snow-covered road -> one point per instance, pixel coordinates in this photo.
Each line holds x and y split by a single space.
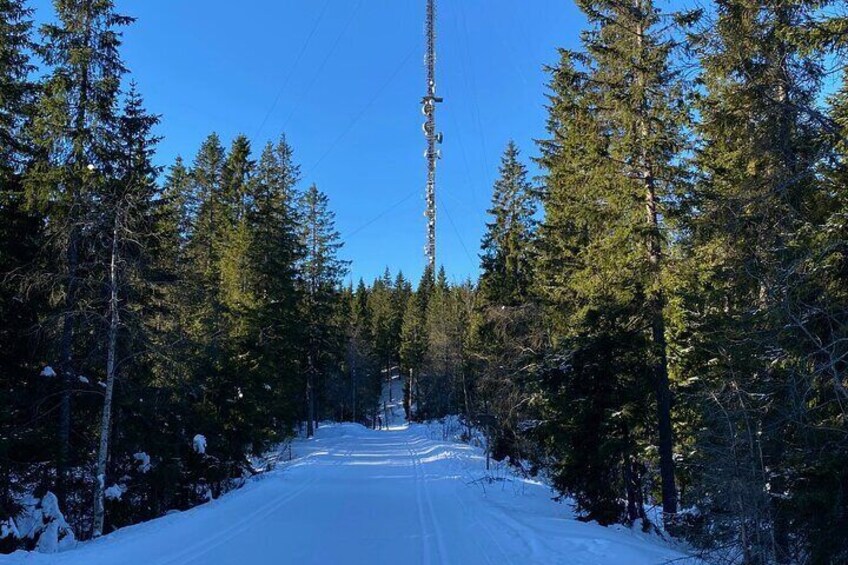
361 496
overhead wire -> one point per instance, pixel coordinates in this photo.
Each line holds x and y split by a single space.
290 74
362 112
459 138
456 231
381 215
472 87
323 63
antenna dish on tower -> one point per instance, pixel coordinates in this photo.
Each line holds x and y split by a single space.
432 154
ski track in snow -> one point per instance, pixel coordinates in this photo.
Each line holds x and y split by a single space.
358 496
422 527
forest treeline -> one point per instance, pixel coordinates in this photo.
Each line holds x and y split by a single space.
660 326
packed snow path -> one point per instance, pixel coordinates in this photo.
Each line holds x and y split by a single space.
355 495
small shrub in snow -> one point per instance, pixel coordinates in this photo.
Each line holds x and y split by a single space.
199 444
42 520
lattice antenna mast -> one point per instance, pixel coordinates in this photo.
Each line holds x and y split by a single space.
432 154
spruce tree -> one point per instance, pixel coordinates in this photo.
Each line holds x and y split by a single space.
503 332
383 323
71 129
236 239
16 90
175 219
16 93
20 236
506 262
413 344
276 249
321 273
611 167
438 395
817 311
128 207
204 248
761 145
361 363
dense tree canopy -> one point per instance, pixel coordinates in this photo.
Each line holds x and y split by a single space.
660 321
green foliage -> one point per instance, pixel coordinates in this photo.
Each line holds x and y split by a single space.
615 137
692 241
507 260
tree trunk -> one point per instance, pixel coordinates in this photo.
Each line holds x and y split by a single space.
66 369
659 357
106 421
353 383
407 397
310 406
67 372
656 302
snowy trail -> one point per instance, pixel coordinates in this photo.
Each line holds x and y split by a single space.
361 496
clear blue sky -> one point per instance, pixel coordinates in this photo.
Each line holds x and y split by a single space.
350 104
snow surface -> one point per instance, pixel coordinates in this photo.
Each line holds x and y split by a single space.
358 496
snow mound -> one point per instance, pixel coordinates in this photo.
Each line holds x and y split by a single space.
115 492
43 521
143 461
199 444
